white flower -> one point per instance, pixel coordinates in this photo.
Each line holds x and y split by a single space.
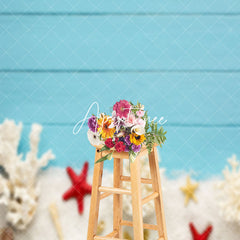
94 138
138 129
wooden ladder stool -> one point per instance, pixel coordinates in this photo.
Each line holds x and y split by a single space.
100 192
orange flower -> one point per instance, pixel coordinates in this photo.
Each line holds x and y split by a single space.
104 122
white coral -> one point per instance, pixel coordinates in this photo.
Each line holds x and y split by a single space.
19 190
229 191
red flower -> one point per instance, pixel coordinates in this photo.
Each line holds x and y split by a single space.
120 147
109 143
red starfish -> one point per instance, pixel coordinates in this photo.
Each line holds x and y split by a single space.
197 236
79 188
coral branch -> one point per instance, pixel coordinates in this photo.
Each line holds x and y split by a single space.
19 190
229 191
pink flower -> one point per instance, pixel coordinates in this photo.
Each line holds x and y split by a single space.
141 122
140 113
122 108
131 120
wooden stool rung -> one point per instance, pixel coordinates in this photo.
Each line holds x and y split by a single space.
143 180
115 190
149 198
104 195
145 225
107 238
112 234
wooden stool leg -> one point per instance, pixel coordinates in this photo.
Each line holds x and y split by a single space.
117 198
95 197
154 168
136 199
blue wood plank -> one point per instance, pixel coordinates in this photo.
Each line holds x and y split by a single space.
183 6
120 42
199 149
183 99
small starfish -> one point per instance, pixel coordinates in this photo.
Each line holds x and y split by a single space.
79 188
189 191
127 236
197 236
100 227
146 234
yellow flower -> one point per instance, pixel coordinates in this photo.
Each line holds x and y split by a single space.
137 139
104 122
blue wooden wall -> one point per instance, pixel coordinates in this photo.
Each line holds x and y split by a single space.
181 59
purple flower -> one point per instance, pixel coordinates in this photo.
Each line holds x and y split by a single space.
126 148
92 123
117 121
136 148
127 140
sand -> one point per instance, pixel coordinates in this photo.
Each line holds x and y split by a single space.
54 182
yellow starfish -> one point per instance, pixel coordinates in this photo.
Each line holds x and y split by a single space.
126 235
146 234
189 191
100 227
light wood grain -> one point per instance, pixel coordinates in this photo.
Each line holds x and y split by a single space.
107 238
136 199
117 198
145 225
104 195
143 180
154 168
115 190
150 197
112 234
95 197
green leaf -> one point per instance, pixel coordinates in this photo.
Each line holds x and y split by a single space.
107 157
104 148
132 156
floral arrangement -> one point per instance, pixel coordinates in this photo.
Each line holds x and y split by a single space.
126 130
